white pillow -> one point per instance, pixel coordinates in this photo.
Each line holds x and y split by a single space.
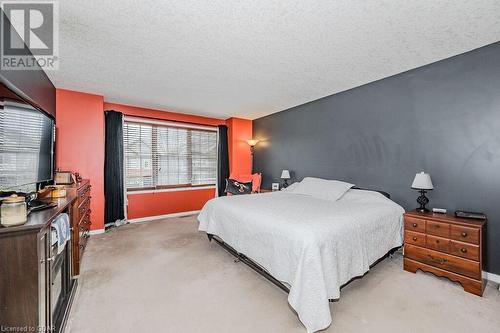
322 188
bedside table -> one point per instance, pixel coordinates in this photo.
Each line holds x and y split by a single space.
262 190
445 246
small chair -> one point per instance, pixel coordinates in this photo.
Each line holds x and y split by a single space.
255 178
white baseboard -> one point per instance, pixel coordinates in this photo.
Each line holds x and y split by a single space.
159 217
491 277
96 232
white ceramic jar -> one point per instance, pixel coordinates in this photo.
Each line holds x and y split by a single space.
13 211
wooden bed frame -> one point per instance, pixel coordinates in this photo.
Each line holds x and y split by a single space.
240 257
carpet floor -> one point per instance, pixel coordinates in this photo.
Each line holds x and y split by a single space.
164 276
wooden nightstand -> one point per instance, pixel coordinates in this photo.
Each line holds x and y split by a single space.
262 190
445 246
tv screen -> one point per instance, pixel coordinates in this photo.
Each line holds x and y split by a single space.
26 145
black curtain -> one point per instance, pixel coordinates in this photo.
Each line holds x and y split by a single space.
222 161
113 168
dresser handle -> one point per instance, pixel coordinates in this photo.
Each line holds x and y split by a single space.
463 250
414 225
464 234
43 261
414 238
438 260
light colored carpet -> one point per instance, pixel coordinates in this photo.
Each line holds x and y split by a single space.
164 276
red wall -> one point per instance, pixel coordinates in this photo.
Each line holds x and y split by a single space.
165 115
160 203
80 143
80 147
240 158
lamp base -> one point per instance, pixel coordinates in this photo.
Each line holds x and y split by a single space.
422 200
285 183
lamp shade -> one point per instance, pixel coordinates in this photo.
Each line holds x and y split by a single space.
422 181
252 142
285 174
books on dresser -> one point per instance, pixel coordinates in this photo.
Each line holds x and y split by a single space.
446 246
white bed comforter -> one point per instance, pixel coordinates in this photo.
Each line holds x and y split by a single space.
313 245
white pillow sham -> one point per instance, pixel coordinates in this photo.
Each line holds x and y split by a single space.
322 188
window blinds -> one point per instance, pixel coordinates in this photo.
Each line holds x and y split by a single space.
162 156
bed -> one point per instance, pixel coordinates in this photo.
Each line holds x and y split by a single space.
309 245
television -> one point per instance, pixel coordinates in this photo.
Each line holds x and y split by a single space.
27 137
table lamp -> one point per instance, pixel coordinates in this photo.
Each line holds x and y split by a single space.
285 175
422 183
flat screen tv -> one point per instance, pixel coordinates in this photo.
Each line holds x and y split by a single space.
26 145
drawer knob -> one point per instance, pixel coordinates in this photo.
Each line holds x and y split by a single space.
463 250
414 238
437 241
414 225
464 234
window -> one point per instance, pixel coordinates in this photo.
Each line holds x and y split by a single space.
163 156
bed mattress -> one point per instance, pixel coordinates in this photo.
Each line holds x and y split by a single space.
313 245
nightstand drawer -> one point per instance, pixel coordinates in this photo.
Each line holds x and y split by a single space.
464 250
464 234
437 243
437 228
415 238
414 224
444 261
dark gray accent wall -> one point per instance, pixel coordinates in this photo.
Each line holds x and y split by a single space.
443 118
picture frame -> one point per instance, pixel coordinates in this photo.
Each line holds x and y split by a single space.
275 186
63 178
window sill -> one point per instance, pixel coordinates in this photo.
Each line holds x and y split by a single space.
174 189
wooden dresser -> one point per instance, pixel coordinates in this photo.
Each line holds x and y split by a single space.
36 286
81 226
445 246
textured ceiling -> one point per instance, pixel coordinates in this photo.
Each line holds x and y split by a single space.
251 58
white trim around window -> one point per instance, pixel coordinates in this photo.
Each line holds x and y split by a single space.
174 189
169 123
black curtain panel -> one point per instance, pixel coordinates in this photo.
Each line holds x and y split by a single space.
113 168
222 161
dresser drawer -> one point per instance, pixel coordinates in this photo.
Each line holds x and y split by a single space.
82 210
437 243
414 224
464 234
464 250
415 238
444 261
85 220
83 194
437 228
